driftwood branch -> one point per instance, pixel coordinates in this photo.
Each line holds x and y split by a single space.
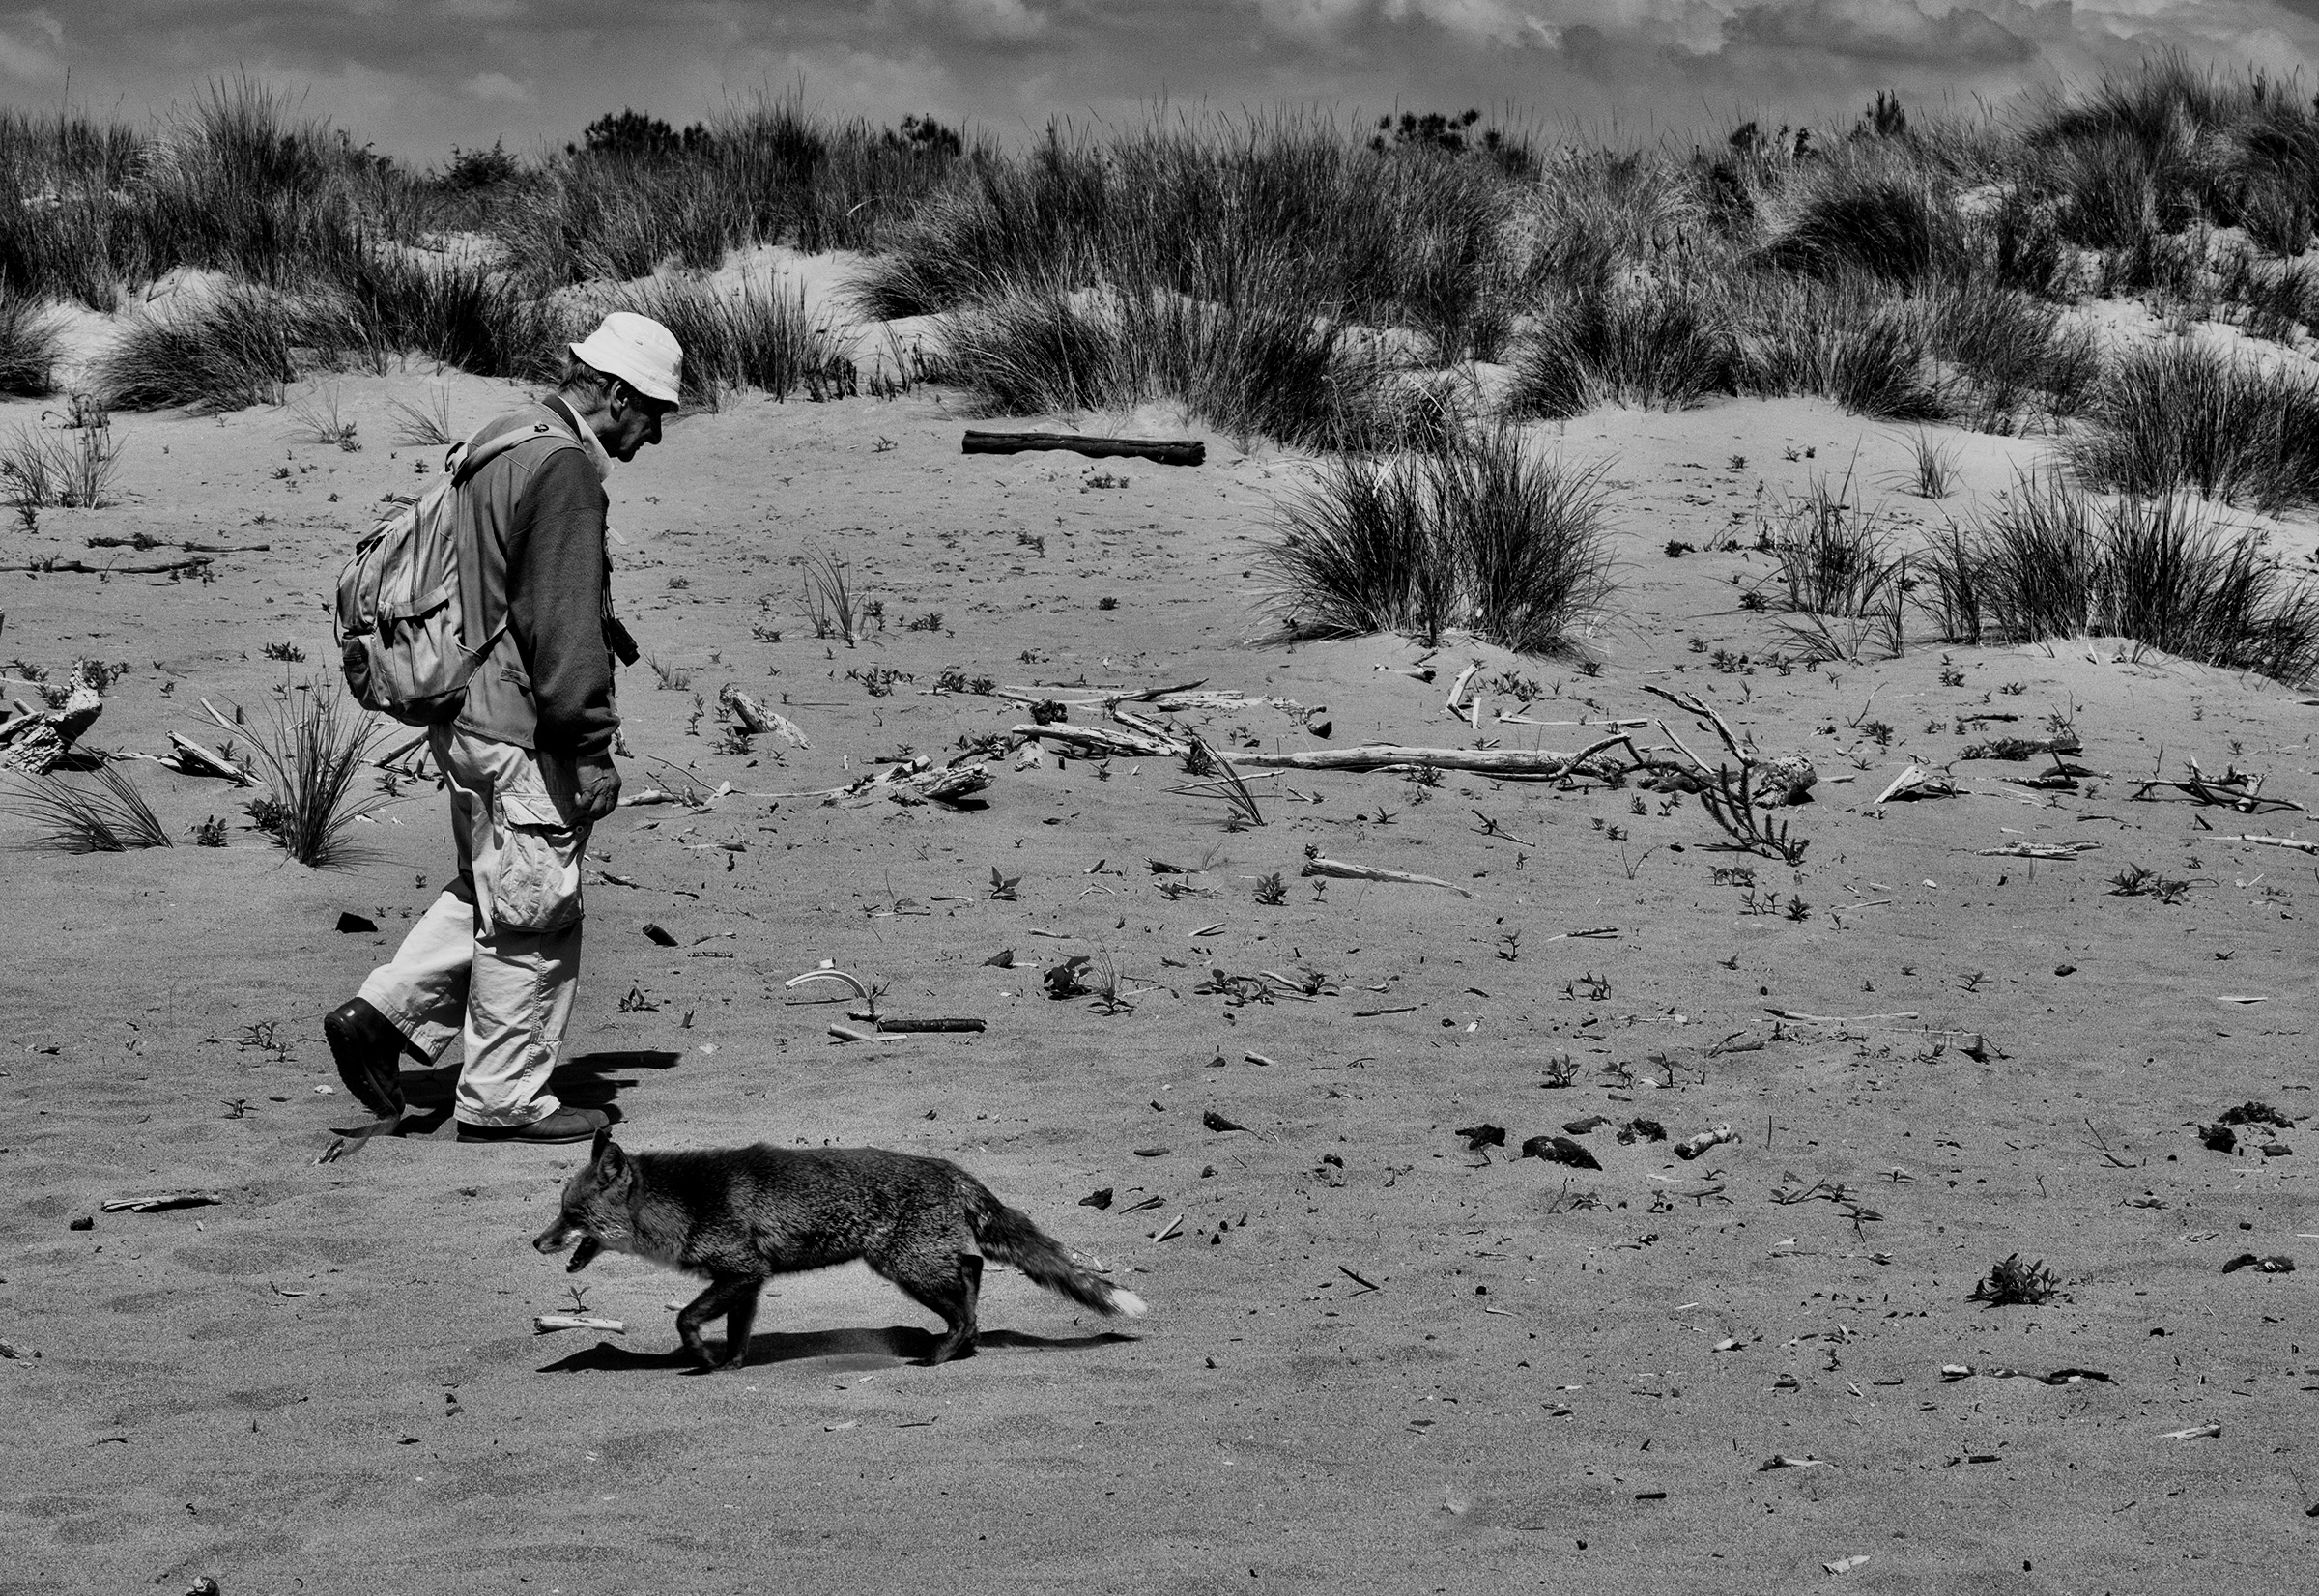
1316 865
194 759
82 567
143 543
1165 451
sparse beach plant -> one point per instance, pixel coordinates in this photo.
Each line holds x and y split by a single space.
113 818
312 757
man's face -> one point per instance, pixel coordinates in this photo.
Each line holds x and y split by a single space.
635 423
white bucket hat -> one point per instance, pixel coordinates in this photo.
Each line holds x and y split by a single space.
636 350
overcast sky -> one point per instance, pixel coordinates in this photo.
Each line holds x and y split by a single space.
418 76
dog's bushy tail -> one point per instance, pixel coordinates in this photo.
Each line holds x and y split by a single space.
1010 1237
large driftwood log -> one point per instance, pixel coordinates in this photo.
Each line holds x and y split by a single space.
1504 764
1104 742
1165 451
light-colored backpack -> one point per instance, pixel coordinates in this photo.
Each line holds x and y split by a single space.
400 618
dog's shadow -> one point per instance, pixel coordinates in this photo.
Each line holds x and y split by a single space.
896 1344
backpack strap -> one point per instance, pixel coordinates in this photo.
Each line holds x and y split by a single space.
466 459
462 463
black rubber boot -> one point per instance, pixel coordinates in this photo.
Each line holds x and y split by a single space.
369 1051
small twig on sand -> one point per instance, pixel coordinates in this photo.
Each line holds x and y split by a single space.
1359 1280
545 1322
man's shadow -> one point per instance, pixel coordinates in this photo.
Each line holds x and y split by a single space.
587 1080
895 1344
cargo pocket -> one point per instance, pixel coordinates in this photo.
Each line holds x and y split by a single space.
535 885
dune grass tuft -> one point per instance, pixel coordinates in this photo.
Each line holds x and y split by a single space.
1482 539
2185 417
223 351
114 819
2053 562
313 755
1664 347
29 345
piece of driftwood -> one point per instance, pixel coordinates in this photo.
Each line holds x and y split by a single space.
1833 1020
916 780
143 543
1500 765
1164 452
752 717
1104 742
1914 785
908 1027
1691 1146
1338 870
81 567
2039 850
38 740
161 1203
2023 748
2234 787
194 759
547 1322
2294 842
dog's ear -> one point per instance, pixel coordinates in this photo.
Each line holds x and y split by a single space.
602 1145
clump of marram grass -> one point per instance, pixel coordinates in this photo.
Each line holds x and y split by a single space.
1666 347
71 469
1482 539
753 335
223 351
2185 417
113 819
1846 340
313 756
2053 561
29 344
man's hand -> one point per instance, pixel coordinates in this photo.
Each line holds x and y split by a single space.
596 790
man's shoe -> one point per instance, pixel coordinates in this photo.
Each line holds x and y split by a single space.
369 1051
565 1125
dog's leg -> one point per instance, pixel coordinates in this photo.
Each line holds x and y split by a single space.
949 1288
739 1315
706 1307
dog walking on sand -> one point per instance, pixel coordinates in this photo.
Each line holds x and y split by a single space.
740 1216
527 756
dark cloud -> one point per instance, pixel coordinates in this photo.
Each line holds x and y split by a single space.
1878 32
420 75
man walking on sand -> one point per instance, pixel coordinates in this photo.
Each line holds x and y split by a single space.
528 759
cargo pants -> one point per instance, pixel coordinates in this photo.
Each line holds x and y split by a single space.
496 957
